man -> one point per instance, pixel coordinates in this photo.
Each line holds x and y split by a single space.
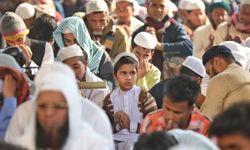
173 42
229 83
195 15
191 67
218 12
148 74
74 57
27 12
102 30
238 29
124 11
56 77
15 33
178 108
232 129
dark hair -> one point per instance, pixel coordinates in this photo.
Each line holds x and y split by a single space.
43 28
155 141
44 142
125 60
227 57
186 71
182 88
234 120
8 146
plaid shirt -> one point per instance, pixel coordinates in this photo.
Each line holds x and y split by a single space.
155 122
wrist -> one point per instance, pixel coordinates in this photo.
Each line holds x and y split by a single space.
159 46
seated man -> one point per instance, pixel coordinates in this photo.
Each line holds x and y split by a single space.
78 61
178 108
232 128
148 74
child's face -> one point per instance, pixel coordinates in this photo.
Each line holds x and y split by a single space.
143 53
126 76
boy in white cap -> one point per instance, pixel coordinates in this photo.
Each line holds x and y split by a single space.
75 58
238 28
101 28
148 74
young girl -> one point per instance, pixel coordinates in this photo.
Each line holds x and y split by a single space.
127 105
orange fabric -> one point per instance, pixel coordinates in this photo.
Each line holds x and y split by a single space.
22 83
155 122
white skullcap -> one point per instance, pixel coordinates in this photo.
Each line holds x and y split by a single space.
172 8
69 52
195 64
245 2
96 6
145 40
239 52
191 4
25 11
130 1
119 56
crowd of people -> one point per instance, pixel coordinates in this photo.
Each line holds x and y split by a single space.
125 74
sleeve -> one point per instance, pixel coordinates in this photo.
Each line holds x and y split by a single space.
48 57
181 44
142 83
106 70
148 103
120 42
199 46
154 78
213 105
8 108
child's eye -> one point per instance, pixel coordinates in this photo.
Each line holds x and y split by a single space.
133 73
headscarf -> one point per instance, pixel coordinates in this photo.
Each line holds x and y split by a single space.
239 26
22 83
79 30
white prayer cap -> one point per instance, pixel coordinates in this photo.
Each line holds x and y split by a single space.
239 52
191 4
145 40
195 64
69 52
245 2
130 1
25 11
96 6
119 56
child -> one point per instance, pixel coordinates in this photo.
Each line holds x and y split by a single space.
148 74
127 105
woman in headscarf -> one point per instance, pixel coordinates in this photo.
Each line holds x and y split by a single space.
72 30
14 90
56 119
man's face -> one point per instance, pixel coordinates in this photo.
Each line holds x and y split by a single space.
78 67
52 110
176 115
124 11
97 21
244 14
219 15
157 9
211 69
69 39
233 142
197 17
143 53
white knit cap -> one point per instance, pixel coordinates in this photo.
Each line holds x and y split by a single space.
130 1
239 52
119 56
243 2
25 10
96 6
191 4
195 64
145 40
69 52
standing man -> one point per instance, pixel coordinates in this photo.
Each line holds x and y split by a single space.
229 82
173 43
